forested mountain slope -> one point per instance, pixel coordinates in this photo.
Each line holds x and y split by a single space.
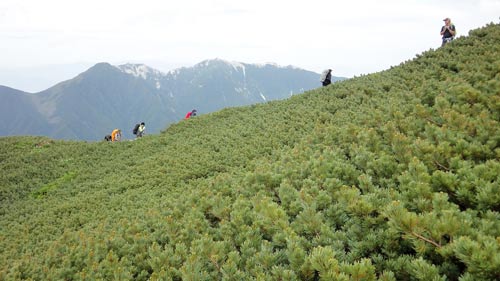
390 176
106 97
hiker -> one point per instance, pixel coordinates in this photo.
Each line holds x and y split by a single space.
326 77
192 113
107 137
141 129
116 135
447 31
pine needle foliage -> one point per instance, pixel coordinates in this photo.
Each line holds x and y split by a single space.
388 176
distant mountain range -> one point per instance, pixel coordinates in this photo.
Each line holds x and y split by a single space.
106 97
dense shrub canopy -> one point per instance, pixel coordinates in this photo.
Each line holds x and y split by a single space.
391 176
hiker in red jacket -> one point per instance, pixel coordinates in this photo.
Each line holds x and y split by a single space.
190 114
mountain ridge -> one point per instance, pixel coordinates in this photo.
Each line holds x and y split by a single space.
134 69
105 96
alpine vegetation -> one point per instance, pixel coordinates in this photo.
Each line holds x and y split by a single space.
105 97
389 176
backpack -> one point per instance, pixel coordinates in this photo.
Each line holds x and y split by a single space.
135 129
324 75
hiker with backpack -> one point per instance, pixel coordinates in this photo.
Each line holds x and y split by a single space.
192 113
116 135
447 31
139 129
326 77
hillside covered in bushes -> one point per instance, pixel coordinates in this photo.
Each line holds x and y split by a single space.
388 176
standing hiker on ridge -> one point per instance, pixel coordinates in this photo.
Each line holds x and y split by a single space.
447 31
326 77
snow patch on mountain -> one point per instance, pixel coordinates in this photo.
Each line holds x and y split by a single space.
262 65
234 64
141 71
237 65
272 64
175 72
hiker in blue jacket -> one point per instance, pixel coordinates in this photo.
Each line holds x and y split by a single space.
447 31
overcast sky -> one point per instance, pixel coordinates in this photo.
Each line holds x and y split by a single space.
352 37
